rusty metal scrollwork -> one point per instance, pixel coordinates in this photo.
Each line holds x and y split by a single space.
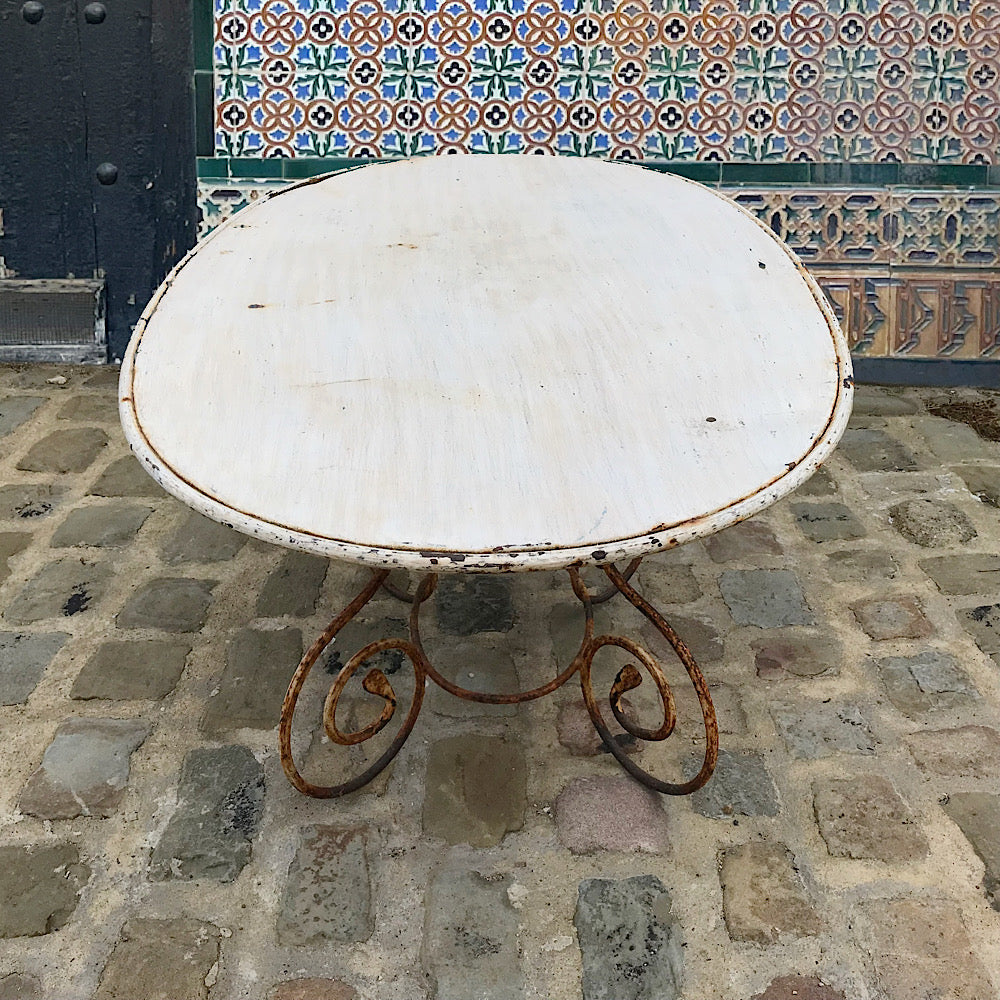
376 683
629 678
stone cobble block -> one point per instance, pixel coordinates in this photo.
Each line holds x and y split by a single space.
327 897
132 669
469 604
475 790
812 731
470 943
259 666
111 525
40 885
161 960
220 801
729 712
887 488
312 989
827 522
740 786
899 617
861 566
977 815
11 543
864 817
763 898
201 540
24 659
84 769
747 540
819 484
668 583
965 752
31 375
700 636
293 587
877 401
784 655
106 375
799 988
65 451
931 523
329 763
971 574
610 814
28 501
927 682
15 410
767 598
20 987
125 477
873 450
566 624
982 481
96 407
983 624
922 949
950 441
171 604
61 589
478 665
630 940
576 732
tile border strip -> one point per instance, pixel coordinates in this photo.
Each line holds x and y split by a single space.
712 172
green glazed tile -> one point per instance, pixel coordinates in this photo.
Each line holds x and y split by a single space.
833 174
703 172
255 166
943 174
204 113
303 166
210 167
765 173
203 30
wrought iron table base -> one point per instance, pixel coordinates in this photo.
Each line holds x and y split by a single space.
376 683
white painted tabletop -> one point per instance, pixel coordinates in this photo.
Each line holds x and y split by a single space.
486 363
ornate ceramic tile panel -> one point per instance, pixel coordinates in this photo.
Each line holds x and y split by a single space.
860 80
219 199
918 314
939 228
827 225
946 228
859 303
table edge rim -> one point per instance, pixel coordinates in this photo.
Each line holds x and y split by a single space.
507 559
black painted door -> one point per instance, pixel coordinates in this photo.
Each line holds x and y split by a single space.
97 170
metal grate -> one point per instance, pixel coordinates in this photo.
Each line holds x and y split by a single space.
58 318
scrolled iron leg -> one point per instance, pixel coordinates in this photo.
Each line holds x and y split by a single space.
629 677
375 683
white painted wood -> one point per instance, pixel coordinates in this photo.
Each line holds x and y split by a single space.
486 362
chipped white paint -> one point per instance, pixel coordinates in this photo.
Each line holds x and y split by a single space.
481 362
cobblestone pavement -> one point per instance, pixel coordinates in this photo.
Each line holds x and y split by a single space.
848 847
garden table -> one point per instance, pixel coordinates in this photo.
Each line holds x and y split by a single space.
486 364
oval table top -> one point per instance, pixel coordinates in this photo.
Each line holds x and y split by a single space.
486 363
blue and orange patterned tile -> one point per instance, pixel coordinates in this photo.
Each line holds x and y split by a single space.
817 80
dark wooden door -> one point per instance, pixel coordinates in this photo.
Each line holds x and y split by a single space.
97 169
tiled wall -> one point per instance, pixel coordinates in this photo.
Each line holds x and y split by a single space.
865 132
